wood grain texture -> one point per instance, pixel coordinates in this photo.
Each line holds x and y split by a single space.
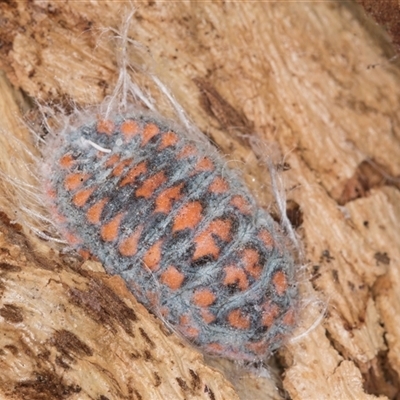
311 80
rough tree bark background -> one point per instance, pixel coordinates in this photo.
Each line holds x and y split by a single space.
314 80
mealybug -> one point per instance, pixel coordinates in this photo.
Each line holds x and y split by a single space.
154 206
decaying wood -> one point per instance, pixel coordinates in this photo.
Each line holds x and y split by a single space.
312 80
386 13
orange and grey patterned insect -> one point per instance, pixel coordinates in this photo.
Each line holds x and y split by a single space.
180 228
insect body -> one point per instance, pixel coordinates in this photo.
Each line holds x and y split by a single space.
181 229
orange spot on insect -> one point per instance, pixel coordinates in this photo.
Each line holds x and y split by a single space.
109 231
150 185
266 238
186 327
166 198
129 246
241 204
105 126
288 318
205 164
119 169
134 173
129 129
269 314
215 348
66 161
74 181
280 282
85 254
219 185
203 297
191 332
235 276
72 238
94 213
187 151
205 246
184 320
207 316
172 278
237 320
81 197
221 228
51 193
251 259
112 160
205 241
188 217
152 258
168 139
149 131
164 311
260 347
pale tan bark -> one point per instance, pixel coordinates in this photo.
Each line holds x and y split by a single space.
312 79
